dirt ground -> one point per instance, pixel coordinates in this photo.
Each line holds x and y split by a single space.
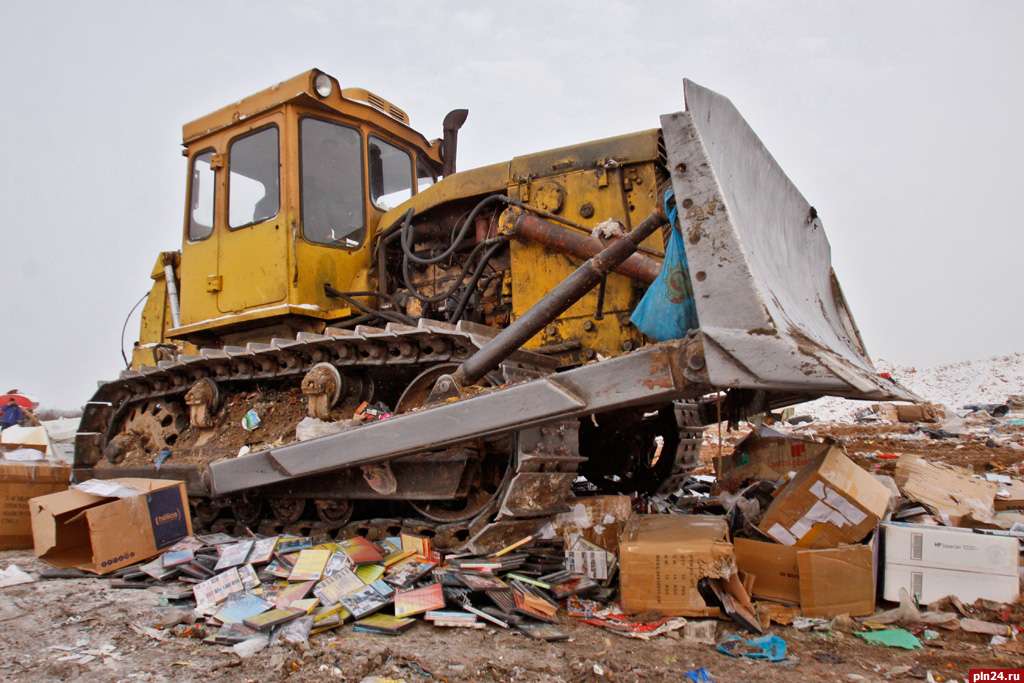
50 627
44 622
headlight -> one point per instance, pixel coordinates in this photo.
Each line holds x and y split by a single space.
323 85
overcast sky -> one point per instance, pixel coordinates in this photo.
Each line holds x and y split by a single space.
898 120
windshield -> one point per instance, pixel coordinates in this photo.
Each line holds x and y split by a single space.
332 184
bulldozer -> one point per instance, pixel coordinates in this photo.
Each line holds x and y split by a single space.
357 337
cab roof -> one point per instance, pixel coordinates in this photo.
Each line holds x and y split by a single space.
352 101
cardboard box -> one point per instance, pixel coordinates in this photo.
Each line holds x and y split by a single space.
776 576
837 581
768 454
932 562
598 519
20 481
825 582
830 501
102 533
663 557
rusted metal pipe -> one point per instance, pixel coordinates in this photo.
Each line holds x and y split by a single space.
529 227
554 303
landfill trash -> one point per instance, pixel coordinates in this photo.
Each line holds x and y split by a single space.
952 492
13 576
251 420
312 428
936 561
24 455
894 637
986 627
294 633
771 648
806 624
767 453
161 457
250 646
612 618
153 633
700 675
20 481
908 614
830 501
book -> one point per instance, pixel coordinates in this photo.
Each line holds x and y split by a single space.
263 550
173 558
369 573
292 544
480 582
293 592
419 600
363 602
265 620
418 544
248 576
384 624
405 573
233 554
361 551
241 606
330 590
310 565
338 561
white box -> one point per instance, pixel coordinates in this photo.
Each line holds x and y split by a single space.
932 562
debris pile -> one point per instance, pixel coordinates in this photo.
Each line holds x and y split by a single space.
798 530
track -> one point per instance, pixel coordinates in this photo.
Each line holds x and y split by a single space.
479 494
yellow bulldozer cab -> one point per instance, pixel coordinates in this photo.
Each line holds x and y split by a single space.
285 190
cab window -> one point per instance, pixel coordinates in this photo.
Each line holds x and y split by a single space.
254 187
425 175
390 174
332 183
201 189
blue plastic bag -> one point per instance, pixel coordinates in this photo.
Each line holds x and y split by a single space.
771 648
668 309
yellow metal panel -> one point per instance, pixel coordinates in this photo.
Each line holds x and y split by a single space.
479 181
253 266
198 262
614 151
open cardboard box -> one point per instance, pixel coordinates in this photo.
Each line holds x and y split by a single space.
824 582
100 533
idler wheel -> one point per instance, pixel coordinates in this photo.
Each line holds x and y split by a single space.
202 400
322 387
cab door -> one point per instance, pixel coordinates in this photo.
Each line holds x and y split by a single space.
252 254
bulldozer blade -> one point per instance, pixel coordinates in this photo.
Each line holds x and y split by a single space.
772 314
651 375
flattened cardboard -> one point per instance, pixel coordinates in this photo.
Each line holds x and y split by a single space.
767 454
837 581
829 502
663 557
20 482
100 535
950 491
